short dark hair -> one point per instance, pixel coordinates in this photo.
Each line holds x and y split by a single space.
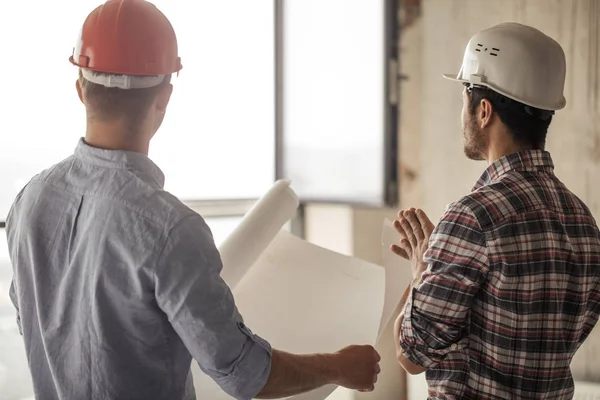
112 103
528 125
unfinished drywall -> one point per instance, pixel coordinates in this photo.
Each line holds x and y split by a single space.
441 173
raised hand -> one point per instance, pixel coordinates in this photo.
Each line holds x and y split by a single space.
415 228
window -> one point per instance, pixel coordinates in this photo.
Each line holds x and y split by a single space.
221 227
217 141
335 110
42 116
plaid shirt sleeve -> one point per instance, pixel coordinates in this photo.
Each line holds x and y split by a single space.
437 311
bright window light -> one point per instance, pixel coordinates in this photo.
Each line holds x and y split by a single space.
217 141
334 81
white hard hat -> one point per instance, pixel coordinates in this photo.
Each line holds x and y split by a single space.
517 61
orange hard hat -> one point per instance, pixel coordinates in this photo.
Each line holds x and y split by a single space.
127 37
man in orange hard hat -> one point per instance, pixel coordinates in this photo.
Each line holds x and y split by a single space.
116 283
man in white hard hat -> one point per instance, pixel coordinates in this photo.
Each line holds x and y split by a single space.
506 287
116 283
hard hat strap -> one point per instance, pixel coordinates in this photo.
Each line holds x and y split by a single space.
122 81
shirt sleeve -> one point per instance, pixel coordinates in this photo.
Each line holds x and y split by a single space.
437 311
12 292
201 309
13 298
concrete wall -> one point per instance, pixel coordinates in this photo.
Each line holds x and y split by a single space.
434 171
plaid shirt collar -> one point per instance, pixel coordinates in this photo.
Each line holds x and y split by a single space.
525 161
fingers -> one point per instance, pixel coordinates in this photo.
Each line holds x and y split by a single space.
377 368
358 366
410 236
370 387
425 223
377 356
404 229
404 248
398 226
396 249
415 225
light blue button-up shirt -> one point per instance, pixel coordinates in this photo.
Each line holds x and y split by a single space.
117 286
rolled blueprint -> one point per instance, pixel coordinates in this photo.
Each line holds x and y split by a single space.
303 299
306 299
240 250
300 297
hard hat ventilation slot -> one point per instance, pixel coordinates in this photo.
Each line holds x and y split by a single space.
485 50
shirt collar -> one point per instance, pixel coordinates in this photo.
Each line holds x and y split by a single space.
137 163
525 161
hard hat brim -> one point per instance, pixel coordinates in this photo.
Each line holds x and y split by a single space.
550 107
453 77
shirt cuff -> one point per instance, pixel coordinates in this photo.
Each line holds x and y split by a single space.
414 351
252 370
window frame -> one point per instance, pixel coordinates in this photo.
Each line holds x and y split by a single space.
391 106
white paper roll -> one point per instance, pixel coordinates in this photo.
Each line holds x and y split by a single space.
306 299
300 297
257 230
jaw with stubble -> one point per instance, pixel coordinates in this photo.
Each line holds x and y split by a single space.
473 142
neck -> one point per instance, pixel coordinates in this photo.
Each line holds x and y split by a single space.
494 154
115 136
503 145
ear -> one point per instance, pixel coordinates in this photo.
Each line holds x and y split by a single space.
79 91
485 113
163 97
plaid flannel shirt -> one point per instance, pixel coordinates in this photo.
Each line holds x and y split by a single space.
512 287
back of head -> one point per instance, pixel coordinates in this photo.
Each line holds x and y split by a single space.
125 51
521 71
